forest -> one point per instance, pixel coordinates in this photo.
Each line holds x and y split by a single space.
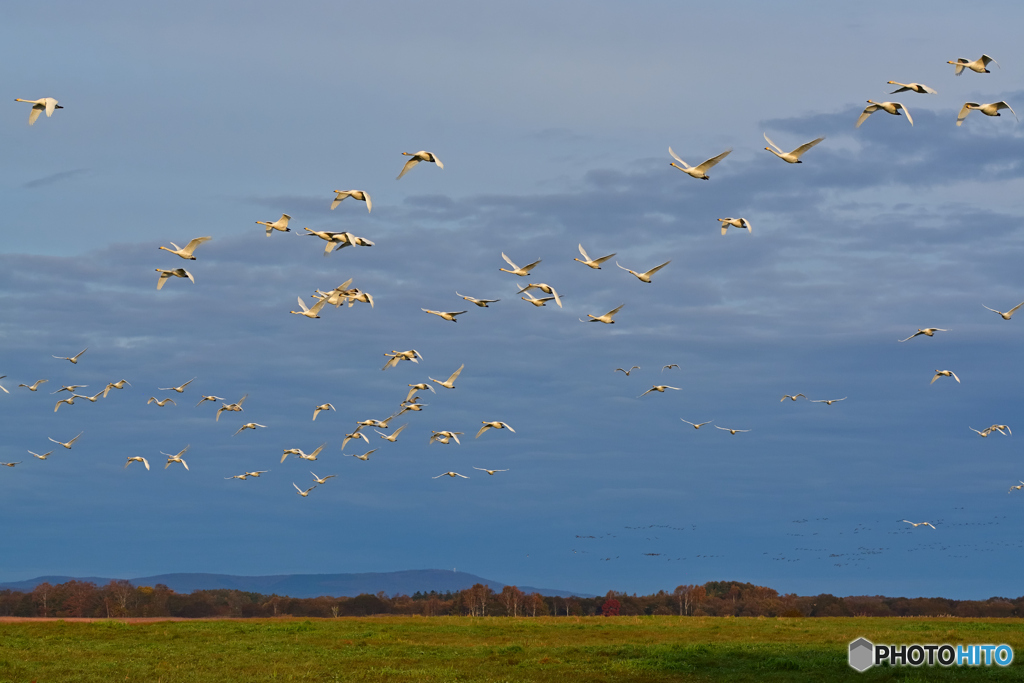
121 599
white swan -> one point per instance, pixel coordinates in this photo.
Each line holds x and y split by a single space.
1004 316
493 425
794 156
482 303
944 373
231 407
594 263
699 171
888 107
153 399
115 385
312 312
392 437
991 109
977 66
915 87
450 382
543 301
47 104
417 158
249 425
606 318
137 458
917 524
180 390
547 289
516 270
395 357
342 195
450 474
660 388
445 436
357 434
626 372
44 456
365 456
645 277
731 431
204 399
791 398
301 492
322 480
69 443
320 408
829 401
735 223
73 359
167 274
490 472
928 332
697 425
35 385
446 315
186 251
280 224
176 458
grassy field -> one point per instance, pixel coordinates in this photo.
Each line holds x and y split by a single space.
418 649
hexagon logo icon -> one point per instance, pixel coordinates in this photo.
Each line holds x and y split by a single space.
862 654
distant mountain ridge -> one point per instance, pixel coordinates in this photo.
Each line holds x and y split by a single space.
308 585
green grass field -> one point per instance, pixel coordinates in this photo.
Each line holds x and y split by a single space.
417 649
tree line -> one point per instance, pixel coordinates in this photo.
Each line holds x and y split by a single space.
121 599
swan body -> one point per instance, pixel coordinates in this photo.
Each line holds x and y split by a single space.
794 156
47 104
186 251
417 157
991 109
699 171
342 195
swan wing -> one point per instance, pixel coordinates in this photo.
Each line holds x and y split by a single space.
899 105
676 157
712 161
408 165
584 253
509 261
51 105
655 269
34 114
964 111
799 151
369 202
1004 105
868 111
769 141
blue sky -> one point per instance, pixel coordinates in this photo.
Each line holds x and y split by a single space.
554 132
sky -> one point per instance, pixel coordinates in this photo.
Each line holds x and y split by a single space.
553 123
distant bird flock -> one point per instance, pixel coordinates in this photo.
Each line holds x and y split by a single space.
343 294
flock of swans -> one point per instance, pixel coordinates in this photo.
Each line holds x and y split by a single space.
344 294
